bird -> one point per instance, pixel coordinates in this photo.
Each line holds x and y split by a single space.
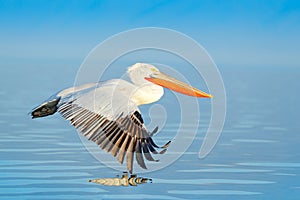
108 114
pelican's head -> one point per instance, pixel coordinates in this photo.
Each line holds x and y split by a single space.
140 72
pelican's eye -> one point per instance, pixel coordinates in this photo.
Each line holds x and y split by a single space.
153 69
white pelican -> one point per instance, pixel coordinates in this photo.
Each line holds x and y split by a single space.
107 112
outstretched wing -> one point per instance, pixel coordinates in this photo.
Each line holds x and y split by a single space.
111 120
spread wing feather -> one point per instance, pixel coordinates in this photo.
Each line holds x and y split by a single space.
120 131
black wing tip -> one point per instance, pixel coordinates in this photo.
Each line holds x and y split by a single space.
166 145
154 131
45 109
163 151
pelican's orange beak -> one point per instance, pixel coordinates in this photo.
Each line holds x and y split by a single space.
171 83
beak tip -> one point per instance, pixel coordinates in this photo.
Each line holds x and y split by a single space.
205 95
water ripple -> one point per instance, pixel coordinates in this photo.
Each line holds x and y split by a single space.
44 150
33 162
49 190
53 167
40 181
270 164
224 170
253 141
209 181
32 175
213 192
138 196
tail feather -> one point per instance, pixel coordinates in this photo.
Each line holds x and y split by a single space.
47 108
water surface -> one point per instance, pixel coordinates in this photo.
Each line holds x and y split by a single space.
257 156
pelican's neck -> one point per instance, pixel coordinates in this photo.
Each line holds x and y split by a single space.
147 93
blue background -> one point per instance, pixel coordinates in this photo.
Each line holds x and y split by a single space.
256 46
239 33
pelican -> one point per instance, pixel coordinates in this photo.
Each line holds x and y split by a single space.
107 112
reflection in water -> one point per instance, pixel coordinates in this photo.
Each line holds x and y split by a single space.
133 180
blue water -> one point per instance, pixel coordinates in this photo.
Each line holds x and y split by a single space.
257 156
